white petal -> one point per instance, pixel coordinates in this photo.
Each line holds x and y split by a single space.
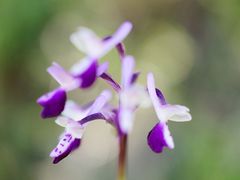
168 138
176 113
117 37
128 64
102 68
74 111
62 121
81 66
75 131
126 117
66 80
100 101
135 96
87 42
153 96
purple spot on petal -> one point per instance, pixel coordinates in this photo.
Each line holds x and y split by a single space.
73 146
53 103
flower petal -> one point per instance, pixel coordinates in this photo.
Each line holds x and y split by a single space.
53 103
159 137
176 113
117 37
65 79
62 121
102 68
128 64
73 111
86 70
120 47
100 102
87 42
75 129
153 95
66 145
126 117
135 96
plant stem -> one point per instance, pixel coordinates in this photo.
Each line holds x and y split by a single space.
122 158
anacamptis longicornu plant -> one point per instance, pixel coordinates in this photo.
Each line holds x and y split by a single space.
74 118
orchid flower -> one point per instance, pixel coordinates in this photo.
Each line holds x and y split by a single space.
95 48
53 102
75 119
160 137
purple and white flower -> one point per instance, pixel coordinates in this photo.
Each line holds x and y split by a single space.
95 47
160 137
74 119
131 95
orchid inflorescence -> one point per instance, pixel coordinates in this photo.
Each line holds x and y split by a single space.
131 96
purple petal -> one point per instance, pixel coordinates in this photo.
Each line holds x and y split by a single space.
159 137
66 145
88 77
53 103
111 82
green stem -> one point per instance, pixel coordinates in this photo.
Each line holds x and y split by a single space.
122 158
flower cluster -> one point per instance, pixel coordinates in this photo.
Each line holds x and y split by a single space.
74 118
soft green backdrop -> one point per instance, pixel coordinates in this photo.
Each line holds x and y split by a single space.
192 46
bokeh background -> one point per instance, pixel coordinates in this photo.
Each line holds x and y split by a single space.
192 46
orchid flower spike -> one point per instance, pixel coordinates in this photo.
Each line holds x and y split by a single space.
74 119
53 102
159 137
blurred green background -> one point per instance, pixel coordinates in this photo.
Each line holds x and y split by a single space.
192 46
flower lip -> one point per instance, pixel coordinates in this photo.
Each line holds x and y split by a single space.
159 137
66 145
53 103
